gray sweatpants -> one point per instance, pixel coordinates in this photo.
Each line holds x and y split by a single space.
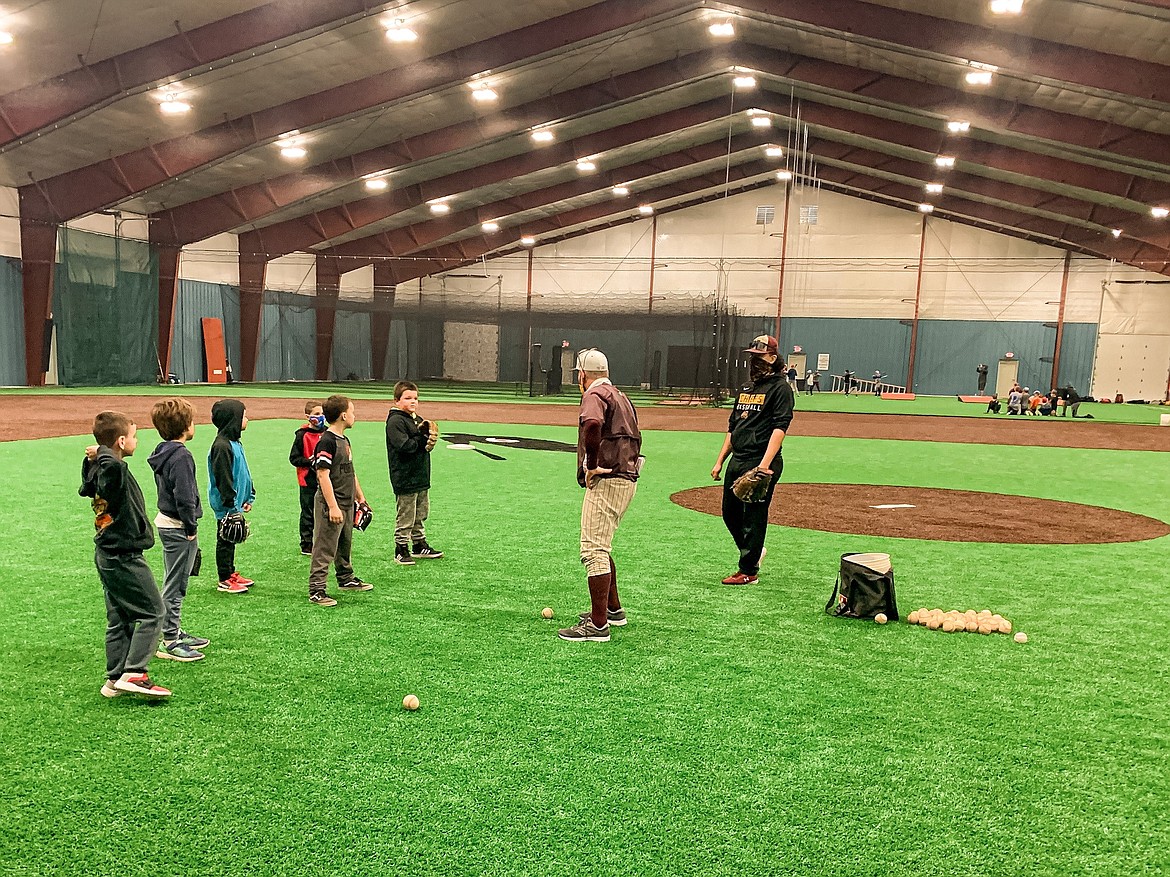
332 544
178 558
413 509
134 611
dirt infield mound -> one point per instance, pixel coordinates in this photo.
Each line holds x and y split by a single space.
938 514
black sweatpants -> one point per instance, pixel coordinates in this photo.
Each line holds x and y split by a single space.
134 611
306 521
225 558
747 522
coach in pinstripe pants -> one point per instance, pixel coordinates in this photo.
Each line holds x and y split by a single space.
609 446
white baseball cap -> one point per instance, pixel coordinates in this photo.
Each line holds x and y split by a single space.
591 360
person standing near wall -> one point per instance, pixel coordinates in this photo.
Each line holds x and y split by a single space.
755 432
981 370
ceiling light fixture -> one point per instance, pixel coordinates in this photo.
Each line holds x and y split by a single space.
722 28
773 152
483 94
958 126
645 209
980 74
377 184
944 160
1006 7
621 191
926 208
761 122
744 82
490 226
934 188
1116 232
440 207
5 38
585 166
543 135
294 151
528 240
784 175
1159 212
399 33
172 106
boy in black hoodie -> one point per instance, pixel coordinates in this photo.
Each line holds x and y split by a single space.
230 488
134 607
408 450
179 511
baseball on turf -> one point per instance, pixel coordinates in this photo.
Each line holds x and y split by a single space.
913 617
880 618
1021 637
410 702
547 612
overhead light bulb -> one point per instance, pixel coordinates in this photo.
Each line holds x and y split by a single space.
586 166
490 226
528 240
944 160
399 33
744 82
543 135
483 94
958 126
722 28
621 191
761 122
934 188
1007 7
172 106
294 151
440 207
926 208
1116 232
784 175
5 38
979 77
377 184
1159 212
774 152
645 209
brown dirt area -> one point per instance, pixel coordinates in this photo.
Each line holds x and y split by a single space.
937 514
34 416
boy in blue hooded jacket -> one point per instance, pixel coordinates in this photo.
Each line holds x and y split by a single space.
231 488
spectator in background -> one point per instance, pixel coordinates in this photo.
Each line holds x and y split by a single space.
816 382
1047 403
1015 400
994 406
808 382
791 375
1034 403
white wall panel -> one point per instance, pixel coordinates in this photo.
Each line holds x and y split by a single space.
9 224
215 260
359 284
1137 366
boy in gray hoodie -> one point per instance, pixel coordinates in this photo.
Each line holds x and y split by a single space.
179 511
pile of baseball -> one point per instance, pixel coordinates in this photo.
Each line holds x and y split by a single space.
984 622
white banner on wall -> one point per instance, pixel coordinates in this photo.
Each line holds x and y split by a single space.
822 362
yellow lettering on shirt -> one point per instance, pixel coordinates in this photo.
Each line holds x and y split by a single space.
751 399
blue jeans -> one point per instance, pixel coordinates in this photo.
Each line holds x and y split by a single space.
178 558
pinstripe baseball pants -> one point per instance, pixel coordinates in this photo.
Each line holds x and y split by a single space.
601 512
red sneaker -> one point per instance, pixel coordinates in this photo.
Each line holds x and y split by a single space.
227 586
240 580
140 683
741 578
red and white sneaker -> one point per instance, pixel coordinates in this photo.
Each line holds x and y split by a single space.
228 586
139 683
240 580
741 578
108 689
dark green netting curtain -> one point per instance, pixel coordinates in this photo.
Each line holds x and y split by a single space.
105 306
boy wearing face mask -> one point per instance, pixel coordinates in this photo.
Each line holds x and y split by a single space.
304 446
755 432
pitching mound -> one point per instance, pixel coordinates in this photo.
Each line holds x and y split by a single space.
937 514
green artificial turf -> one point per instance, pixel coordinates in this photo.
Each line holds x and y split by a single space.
723 731
471 391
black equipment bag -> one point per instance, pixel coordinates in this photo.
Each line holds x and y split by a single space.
197 564
862 591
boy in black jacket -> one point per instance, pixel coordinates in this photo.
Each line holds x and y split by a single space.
179 511
230 487
134 606
408 450
304 447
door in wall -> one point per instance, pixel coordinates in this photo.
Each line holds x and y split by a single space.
1009 370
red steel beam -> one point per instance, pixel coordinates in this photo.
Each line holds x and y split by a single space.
328 291
27 110
168 294
38 251
381 319
253 273
106 182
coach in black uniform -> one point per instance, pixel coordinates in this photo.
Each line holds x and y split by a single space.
755 433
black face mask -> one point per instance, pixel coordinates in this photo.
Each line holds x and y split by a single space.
759 368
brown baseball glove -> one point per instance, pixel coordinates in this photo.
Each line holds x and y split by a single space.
433 437
752 486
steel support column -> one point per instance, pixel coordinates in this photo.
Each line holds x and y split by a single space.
168 295
917 304
1060 319
253 271
381 319
38 251
328 290
783 259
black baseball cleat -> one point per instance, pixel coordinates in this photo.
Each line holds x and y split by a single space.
402 555
424 552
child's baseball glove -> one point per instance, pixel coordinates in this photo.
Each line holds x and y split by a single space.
752 486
